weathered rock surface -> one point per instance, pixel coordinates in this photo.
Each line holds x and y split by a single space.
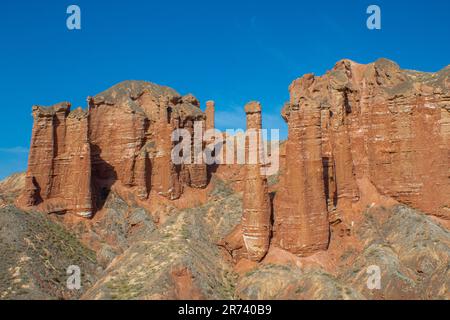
59 168
210 115
372 122
125 137
10 188
411 250
365 165
179 259
281 282
301 223
256 229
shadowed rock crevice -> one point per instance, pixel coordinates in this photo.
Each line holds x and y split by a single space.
104 178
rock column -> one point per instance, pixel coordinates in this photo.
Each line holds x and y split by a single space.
210 110
256 202
76 179
165 176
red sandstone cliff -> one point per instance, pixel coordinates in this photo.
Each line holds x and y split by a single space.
360 137
359 131
301 222
124 137
59 170
358 126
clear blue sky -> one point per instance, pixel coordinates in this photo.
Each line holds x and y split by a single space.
230 51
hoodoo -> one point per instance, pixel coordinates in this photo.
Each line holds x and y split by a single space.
256 202
210 110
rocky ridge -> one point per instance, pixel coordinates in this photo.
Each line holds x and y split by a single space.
366 159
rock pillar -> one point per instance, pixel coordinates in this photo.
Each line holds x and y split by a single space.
210 109
256 202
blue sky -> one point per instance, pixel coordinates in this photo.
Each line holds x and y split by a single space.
230 51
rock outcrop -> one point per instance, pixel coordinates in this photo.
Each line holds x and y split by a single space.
256 203
59 168
125 137
180 259
210 115
301 222
359 136
11 188
410 249
365 164
374 123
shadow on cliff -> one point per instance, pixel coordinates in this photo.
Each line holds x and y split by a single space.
272 196
103 177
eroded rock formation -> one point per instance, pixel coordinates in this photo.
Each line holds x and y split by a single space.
256 203
59 170
124 137
357 130
210 115
358 124
366 143
301 224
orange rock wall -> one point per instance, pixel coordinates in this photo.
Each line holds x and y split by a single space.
124 137
301 222
372 122
59 171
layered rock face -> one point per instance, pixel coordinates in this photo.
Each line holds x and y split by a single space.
256 203
301 223
374 123
125 137
367 146
59 170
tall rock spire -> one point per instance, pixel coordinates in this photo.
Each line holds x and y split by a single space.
210 110
256 203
